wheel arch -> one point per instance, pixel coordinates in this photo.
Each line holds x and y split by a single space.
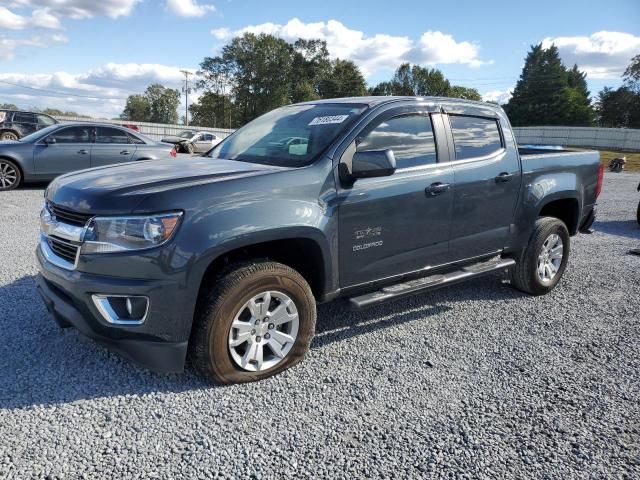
565 208
304 254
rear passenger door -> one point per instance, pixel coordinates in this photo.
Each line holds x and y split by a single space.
394 225
487 182
112 146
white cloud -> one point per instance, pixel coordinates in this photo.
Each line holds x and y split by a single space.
370 53
99 92
9 45
499 96
79 9
601 55
39 18
189 8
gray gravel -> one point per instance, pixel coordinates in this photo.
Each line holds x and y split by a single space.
475 381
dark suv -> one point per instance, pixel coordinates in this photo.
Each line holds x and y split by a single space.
15 124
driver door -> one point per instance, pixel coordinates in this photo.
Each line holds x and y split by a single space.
66 150
398 224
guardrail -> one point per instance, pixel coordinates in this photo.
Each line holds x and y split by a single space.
625 139
155 131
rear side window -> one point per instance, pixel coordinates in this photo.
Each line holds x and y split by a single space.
111 135
409 136
20 117
45 120
475 136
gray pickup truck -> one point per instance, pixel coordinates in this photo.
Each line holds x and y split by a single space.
221 259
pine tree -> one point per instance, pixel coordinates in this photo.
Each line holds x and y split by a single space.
549 94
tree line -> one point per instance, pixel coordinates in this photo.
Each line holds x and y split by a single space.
256 73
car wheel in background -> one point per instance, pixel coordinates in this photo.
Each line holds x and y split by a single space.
8 136
638 214
10 175
540 265
189 148
257 320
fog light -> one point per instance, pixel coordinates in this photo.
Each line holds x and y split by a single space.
122 309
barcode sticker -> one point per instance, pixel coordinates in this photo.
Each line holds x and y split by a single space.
329 119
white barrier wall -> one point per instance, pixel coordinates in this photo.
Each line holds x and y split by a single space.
605 138
593 137
156 131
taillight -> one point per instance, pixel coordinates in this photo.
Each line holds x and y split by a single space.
173 152
600 180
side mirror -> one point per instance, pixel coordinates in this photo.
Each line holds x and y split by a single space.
50 140
373 163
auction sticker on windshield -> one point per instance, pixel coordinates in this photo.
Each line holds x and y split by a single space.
328 119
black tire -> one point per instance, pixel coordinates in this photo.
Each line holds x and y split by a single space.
209 350
638 214
10 175
9 135
189 148
524 275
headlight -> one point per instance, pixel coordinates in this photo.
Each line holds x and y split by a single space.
124 234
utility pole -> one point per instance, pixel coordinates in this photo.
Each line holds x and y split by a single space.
186 91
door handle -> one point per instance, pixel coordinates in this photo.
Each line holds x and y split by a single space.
83 152
124 152
504 177
437 188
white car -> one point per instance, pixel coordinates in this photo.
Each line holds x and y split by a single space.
191 141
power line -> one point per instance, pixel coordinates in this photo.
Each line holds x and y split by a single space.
59 93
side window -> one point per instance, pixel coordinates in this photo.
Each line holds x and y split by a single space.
409 136
207 137
134 139
45 120
20 117
77 134
475 136
111 135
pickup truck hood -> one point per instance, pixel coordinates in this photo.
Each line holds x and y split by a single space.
119 189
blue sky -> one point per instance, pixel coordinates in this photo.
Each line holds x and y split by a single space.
108 49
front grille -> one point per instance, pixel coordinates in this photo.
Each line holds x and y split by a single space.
68 216
63 249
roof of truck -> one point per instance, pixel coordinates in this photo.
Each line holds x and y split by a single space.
372 101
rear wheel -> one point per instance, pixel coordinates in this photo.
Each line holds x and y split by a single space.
8 136
541 264
10 176
257 320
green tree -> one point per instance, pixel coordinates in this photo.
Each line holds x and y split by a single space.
618 108
8 106
163 103
417 80
547 93
344 79
137 109
631 75
212 110
310 66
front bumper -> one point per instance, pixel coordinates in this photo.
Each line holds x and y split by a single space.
159 344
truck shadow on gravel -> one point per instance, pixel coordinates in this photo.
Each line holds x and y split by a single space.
43 365
624 228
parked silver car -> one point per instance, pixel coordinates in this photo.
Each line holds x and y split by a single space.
191 141
68 147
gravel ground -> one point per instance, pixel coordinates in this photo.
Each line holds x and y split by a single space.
475 381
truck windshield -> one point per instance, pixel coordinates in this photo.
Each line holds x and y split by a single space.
291 136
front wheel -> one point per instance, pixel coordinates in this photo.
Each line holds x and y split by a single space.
256 321
10 176
541 264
